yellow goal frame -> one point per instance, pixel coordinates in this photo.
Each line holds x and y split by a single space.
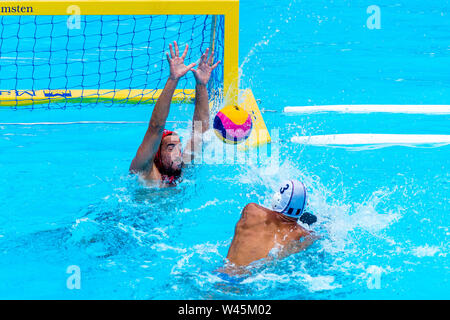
228 8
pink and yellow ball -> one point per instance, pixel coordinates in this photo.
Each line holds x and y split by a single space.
232 124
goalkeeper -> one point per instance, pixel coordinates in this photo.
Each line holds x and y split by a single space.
159 158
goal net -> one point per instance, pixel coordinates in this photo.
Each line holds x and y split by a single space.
57 61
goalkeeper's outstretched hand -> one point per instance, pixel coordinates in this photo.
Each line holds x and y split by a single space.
177 66
205 67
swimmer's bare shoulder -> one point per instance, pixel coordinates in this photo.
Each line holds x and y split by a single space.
261 220
151 174
151 177
251 236
253 214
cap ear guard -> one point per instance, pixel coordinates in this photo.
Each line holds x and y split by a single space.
308 218
276 202
290 199
282 197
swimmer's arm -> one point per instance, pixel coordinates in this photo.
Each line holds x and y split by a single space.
297 246
200 121
149 146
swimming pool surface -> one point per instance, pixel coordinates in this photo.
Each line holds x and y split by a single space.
66 197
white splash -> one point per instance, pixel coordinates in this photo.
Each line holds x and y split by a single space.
425 251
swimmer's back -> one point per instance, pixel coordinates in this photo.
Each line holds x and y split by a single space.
258 231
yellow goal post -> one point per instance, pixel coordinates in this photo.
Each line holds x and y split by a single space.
45 58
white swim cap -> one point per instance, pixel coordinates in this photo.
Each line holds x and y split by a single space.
290 198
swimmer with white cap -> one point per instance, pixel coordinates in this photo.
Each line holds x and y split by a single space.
262 232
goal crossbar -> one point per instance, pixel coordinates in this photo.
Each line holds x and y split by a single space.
227 8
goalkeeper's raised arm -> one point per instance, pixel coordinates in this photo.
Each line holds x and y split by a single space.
159 157
200 121
151 147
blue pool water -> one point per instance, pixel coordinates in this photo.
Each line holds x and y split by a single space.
66 197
